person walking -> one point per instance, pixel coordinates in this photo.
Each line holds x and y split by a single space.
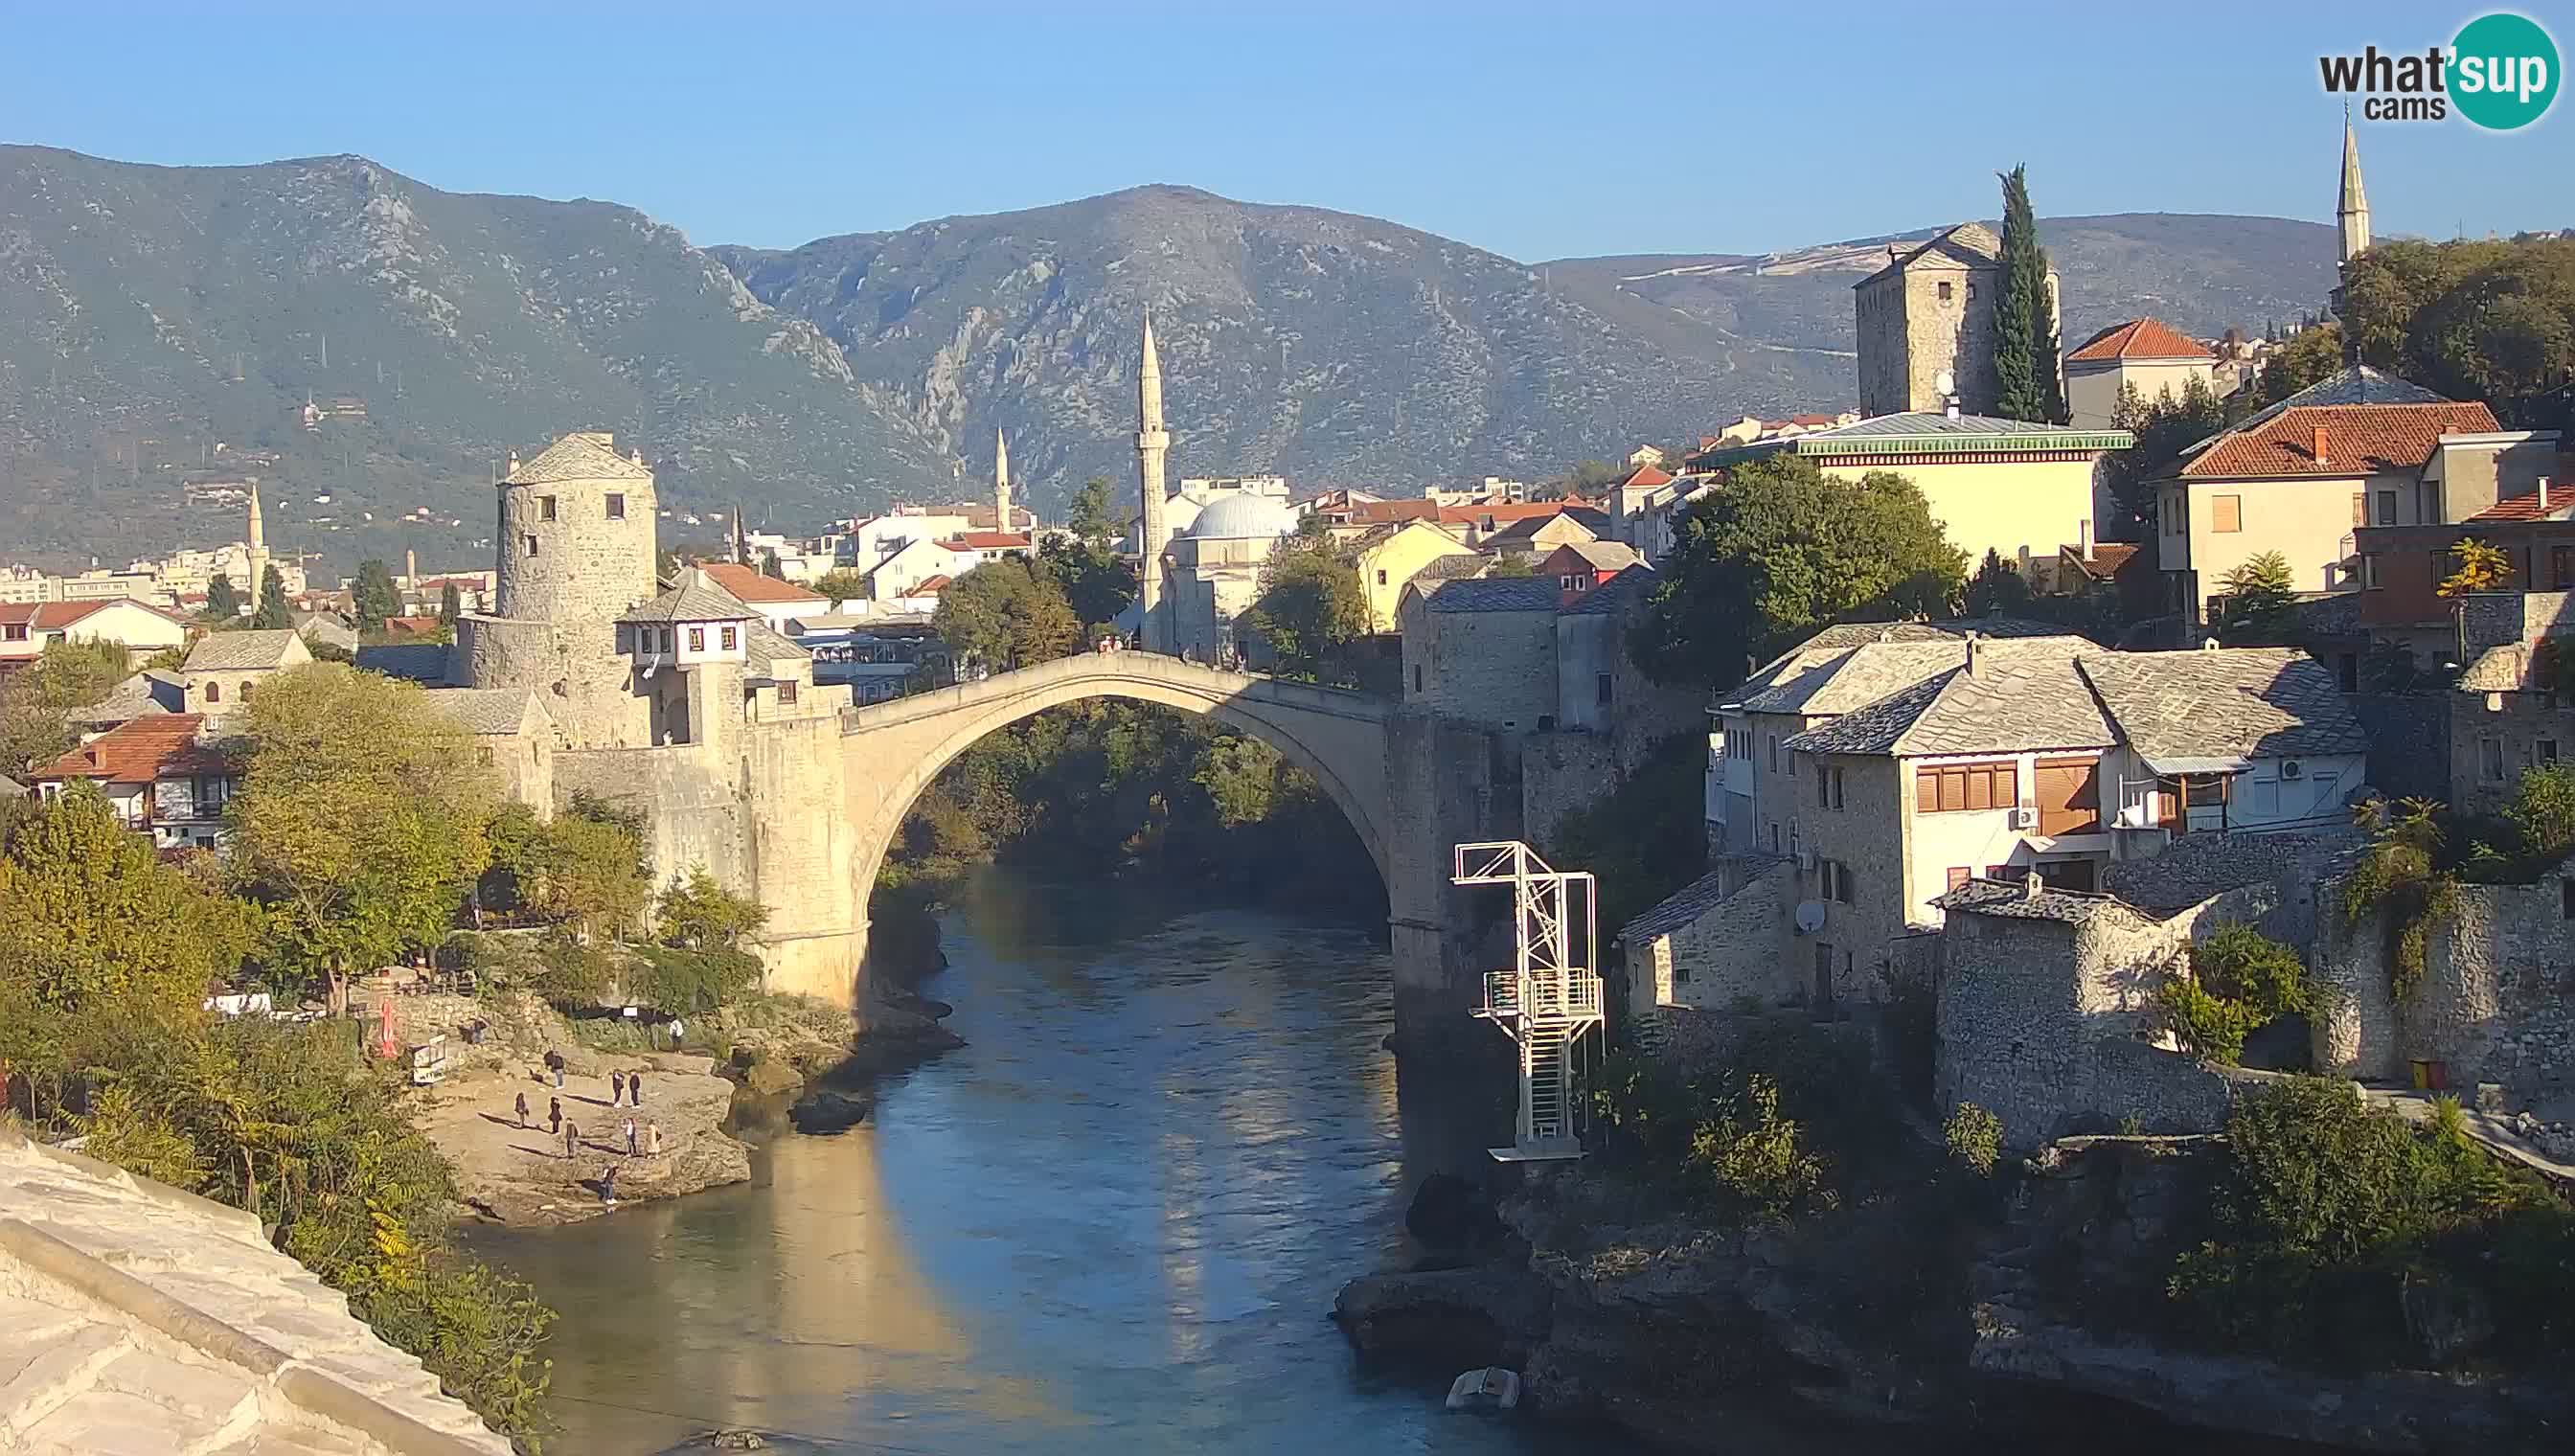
554 1064
652 1139
679 1029
616 1088
572 1138
635 1088
634 1146
523 1109
553 1115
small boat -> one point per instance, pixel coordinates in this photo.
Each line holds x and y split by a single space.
1492 1388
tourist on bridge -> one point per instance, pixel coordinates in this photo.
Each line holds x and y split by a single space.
553 1115
616 1088
523 1109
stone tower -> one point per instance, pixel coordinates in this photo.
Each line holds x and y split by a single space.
2352 210
1152 442
1000 481
258 550
578 540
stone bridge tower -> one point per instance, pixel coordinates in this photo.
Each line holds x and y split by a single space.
577 546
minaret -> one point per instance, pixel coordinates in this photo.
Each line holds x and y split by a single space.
2353 208
1152 442
1001 482
258 550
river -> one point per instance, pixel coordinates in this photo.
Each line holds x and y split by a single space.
1113 1222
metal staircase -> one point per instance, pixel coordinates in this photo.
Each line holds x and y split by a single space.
1549 998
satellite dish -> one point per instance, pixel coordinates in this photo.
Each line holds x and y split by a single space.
1810 917
1945 383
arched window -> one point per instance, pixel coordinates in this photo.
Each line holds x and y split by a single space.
214 692
245 692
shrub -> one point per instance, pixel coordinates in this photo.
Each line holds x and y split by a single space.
2243 964
1975 1138
1752 1165
688 982
2209 1025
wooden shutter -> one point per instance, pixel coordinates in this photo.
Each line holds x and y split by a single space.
2360 508
2069 797
2226 513
1926 790
1960 875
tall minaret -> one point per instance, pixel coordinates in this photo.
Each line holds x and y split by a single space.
1001 482
258 550
1152 442
2353 210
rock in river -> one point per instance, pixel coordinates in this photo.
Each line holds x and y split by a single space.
831 1109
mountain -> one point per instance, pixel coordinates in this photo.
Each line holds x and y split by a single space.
149 314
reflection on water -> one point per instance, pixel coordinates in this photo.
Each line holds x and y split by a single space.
1114 1222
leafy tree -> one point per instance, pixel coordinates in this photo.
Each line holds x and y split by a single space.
1589 478
168 660
1092 517
1998 589
584 870
2025 366
770 566
2481 318
1511 564
842 586
361 821
451 603
37 700
2259 593
273 613
374 596
698 914
2543 811
1240 776
223 603
1778 550
2164 428
94 914
1097 583
2481 568
1006 613
2311 357
1311 602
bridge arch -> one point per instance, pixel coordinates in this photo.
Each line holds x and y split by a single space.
892 752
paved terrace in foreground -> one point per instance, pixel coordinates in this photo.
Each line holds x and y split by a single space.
138 1320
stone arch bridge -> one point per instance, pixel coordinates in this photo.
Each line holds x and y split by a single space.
1408 783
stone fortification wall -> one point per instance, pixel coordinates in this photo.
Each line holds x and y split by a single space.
1561 773
1446 782
585 564
692 813
2496 1002
802 856
573 667
1494 668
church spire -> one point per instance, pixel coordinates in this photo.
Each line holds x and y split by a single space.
2352 210
1000 481
1152 442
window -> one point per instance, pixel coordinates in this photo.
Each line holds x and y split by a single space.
1959 787
1381 575
2369 571
15 632
1600 689
730 637
1823 788
2069 797
616 506
214 692
1568 583
245 691
1838 789
787 694
1944 293
531 544
2387 507
1835 882
483 756
2490 759
2226 513
1960 875
2544 752
2566 900
1824 953
545 507
2561 567
697 639
1416 677
2360 508
665 634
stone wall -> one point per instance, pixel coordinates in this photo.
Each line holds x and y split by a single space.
1738 953
1491 668
573 667
2496 1002
586 566
692 817
1560 774
1447 782
2494 737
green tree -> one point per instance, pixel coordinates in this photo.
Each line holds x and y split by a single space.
1998 589
2165 427
2311 357
1511 564
1778 550
37 700
451 605
223 603
2481 568
1006 613
2543 811
2259 593
2025 367
273 613
1092 519
585 870
360 825
698 914
373 596
1311 602
95 914
770 568
842 586
1097 583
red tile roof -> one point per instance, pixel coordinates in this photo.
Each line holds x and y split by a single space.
413 626
2526 506
2358 440
989 541
750 589
1813 421
139 752
929 586
55 616
2139 339
2106 558
1647 477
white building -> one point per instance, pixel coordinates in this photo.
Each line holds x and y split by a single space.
1214 566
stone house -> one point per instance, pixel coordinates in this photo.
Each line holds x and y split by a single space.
2302 478
224 668
513 737
2509 716
1579 566
2150 354
1930 311
1537 535
1484 649
160 776
2020 490
2495 1002
916 563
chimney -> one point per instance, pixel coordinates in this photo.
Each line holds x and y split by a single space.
2083 538
1952 409
2543 495
1975 665
2031 886
2322 450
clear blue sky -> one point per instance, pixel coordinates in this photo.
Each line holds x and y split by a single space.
1536 131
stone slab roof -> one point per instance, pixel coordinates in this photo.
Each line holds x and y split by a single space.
1853 677
145 695
2011 899
2239 702
1628 587
138 1318
1496 594
2012 702
1697 897
488 711
2195 866
589 455
766 649
238 652
1968 244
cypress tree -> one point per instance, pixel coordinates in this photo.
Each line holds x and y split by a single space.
222 602
272 612
2027 386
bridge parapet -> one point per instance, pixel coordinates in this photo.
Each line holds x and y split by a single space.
1109 669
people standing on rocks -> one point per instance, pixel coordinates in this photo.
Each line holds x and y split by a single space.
679 1030
554 1064
523 1109
553 1115
633 1147
608 1185
653 1139
616 1088
635 1088
572 1138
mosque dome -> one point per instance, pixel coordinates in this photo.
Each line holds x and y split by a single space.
1243 514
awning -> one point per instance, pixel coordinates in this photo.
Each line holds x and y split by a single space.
2197 768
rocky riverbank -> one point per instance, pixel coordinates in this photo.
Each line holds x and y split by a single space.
1912 1309
526 1174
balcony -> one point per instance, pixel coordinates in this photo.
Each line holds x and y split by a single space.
1541 996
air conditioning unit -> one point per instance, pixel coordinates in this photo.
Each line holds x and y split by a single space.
2292 768
1805 861
2024 817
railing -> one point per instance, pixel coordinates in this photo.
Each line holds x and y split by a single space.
1545 997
